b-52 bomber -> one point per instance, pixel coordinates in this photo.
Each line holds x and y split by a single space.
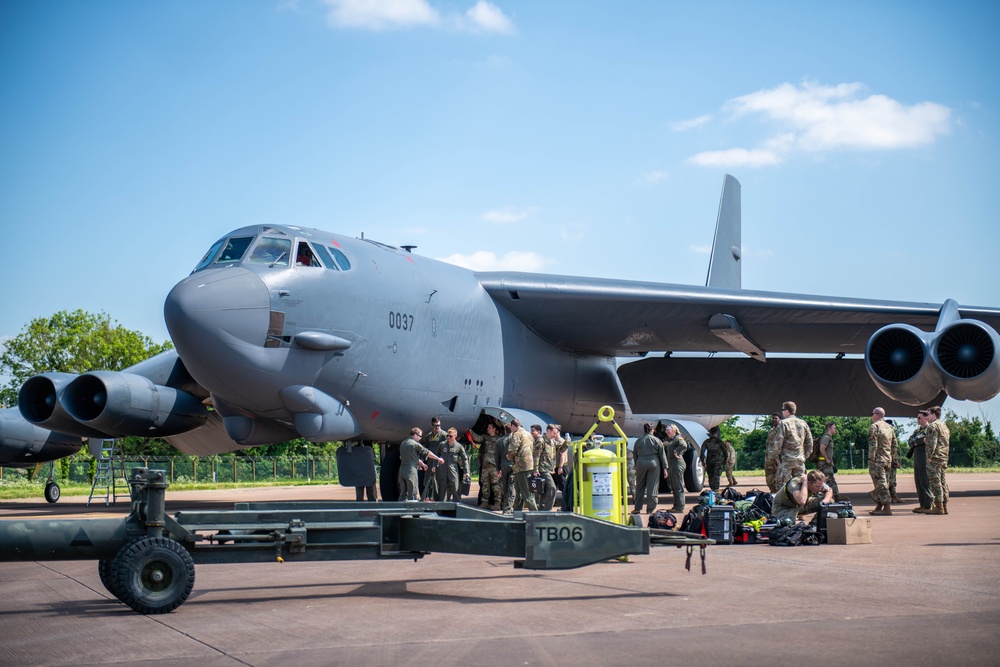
281 332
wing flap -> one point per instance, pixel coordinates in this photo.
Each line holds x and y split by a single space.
836 387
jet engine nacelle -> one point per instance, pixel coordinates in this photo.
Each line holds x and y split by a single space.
913 366
966 354
125 404
23 444
38 401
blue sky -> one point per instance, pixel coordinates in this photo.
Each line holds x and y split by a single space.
585 138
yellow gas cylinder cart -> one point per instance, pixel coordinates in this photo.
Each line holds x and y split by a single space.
599 475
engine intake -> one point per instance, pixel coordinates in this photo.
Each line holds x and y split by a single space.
125 404
966 353
38 401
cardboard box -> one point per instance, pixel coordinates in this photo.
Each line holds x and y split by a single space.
849 531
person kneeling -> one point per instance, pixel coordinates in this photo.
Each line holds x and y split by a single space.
801 495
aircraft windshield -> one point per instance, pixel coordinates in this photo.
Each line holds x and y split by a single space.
272 252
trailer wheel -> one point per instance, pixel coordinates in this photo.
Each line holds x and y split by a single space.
153 575
104 570
52 492
694 475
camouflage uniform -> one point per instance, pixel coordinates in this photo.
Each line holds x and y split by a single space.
520 452
786 446
730 463
455 467
506 472
676 467
893 467
489 477
410 452
937 444
881 439
434 476
650 462
770 464
713 452
630 470
825 464
544 453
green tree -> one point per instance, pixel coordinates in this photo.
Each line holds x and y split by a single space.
71 342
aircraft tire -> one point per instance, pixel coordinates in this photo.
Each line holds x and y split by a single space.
154 575
694 475
52 492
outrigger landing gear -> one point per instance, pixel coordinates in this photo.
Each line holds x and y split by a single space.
147 559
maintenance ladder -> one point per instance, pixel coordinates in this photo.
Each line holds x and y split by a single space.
110 469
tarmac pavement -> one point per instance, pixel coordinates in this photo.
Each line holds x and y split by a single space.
926 592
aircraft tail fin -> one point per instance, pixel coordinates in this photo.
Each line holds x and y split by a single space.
724 266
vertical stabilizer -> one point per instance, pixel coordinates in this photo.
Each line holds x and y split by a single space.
724 266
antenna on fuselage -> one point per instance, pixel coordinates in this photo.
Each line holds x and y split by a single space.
408 248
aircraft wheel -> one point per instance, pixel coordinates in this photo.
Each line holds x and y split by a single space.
694 476
52 492
153 575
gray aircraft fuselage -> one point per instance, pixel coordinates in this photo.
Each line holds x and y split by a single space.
392 340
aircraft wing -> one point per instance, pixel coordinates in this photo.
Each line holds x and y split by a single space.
622 318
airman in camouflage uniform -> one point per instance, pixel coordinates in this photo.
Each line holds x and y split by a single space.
520 451
825 464
937 443
544 452
881 442
786 447
489 476
411 451
713 455
771 465
675 448
650 465
505 468
730 462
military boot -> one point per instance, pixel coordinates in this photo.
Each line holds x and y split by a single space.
896 499
944 505
920 510
877 510
937 508
883 510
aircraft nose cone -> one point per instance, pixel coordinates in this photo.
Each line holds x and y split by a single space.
229 305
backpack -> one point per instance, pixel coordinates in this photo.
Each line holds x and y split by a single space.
763 500
662 520
814 454
694 521
794 535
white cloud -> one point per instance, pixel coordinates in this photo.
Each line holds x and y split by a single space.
653 177
509 214
381 14
487 17
812 118
693 123
389 14
736 157
485 260
700 249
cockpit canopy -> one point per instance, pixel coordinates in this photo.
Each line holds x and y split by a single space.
273 249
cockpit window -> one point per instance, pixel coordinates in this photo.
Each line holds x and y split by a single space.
304 256
234 250
271 251
325 256
345 264
209 256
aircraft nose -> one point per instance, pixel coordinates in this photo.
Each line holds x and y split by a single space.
230 305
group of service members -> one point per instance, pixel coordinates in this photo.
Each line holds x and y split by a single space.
513 461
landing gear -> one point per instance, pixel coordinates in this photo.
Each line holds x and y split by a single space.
694 475
153 575
52 492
